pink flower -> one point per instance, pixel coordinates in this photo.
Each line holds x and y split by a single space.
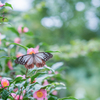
22 30
23 76
17 40
56 72
4 82
49 72
16 97
54 92
33 50
1 5
10 65
19 54
25 29
45 82
40 94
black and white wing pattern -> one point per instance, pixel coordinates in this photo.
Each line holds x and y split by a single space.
26 60
41 57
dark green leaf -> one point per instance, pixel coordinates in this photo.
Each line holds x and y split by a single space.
11 98
18 79
8 5
5 94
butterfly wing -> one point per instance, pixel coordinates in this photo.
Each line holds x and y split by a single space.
26 60
41 57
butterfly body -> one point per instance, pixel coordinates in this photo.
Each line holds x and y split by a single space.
38 59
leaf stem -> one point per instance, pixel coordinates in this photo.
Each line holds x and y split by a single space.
26 72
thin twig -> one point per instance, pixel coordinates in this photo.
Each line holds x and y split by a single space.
26 72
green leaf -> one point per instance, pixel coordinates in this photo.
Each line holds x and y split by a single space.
13 30
19 45
8 5
36 75
18 79
8 57
5 94
53 51
11 98
49 69
66 98
29 33
3 19
1 90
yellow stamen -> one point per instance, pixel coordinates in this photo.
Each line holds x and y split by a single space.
4 84
32 52
39 94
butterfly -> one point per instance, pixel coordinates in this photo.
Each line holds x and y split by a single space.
38 59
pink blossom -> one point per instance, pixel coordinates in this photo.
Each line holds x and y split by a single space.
4 82
45 82
19 54
49 72
54 92
33 50
1 4
23 76
0 87
10 65
40 94
22 30
25 29
17 40
56 72
16 97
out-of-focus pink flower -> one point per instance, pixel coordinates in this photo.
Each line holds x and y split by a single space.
25 29
40 94
0 87
49 72
1 4
24 91
17 40
15 90
23 76
17 97
33 50
22 30
54 92
10 65
56 72
45 83
7 43
4 82
19 54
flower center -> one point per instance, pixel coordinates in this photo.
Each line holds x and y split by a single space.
39 94
31 52
4 84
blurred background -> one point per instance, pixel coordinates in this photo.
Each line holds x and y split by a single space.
71 27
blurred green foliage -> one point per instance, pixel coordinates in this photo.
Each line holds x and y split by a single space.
57 25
